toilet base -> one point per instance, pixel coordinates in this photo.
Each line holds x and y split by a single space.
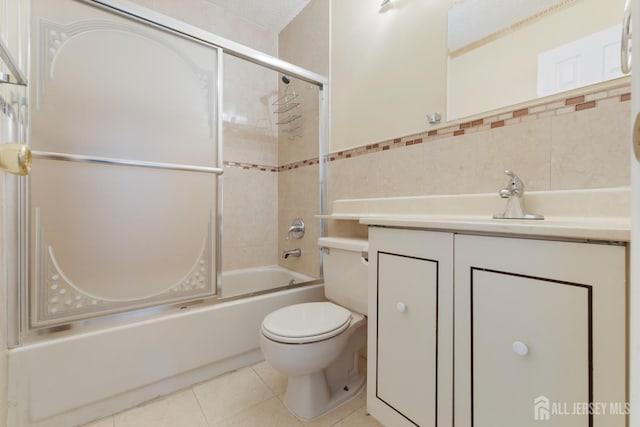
313 395
311 406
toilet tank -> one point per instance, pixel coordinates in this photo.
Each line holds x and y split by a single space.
345 271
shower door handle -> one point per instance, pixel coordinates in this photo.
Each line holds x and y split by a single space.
48 155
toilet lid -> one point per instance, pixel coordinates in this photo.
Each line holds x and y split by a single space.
304 323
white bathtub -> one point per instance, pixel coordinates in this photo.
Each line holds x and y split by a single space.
257 279
78 378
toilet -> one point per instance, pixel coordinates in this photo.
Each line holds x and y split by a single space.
317 344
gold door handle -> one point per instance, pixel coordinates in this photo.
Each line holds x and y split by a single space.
635 139
15 158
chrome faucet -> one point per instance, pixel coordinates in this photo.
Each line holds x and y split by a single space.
297 229
514 193
292 252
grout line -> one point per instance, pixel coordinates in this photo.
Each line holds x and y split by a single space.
263 381
206 420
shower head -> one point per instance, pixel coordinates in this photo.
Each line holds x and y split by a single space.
285 79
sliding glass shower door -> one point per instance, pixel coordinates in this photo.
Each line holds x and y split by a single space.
111 95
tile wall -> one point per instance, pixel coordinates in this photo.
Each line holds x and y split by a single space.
298 181
572 143
250 153
270 177
578 142
250 181
304 42
298 196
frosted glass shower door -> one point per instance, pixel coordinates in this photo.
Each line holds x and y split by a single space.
104 238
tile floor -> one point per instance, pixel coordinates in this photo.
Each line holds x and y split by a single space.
248 397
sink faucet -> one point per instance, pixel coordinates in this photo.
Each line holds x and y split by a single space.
291 252
514 193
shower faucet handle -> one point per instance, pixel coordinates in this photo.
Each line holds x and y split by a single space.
297 229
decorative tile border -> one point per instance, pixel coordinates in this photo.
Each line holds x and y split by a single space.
300 164
572 104
534 112
249 166
269 168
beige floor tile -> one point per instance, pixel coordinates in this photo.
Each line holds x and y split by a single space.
271 413
276 381
241 398
229 395
105 422
339 413
178 410
359 419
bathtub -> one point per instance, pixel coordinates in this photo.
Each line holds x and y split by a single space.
258 279
77 378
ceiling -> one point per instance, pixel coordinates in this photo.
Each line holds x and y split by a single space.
272 15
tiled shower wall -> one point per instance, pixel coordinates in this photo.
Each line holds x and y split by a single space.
269 178
250 180
304 42
579 142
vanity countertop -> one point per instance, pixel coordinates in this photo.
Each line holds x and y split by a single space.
606 229
600 214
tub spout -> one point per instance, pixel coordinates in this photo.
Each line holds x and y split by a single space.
291 252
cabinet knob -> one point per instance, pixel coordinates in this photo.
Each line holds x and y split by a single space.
520 348
402 307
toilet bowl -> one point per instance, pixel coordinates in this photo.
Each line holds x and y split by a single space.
317 344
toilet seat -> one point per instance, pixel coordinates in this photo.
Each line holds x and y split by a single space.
306 323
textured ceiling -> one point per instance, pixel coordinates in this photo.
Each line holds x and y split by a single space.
272 15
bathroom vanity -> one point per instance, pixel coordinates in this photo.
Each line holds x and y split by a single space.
522 319
483 323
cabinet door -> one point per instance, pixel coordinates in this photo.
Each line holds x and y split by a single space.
409 331
539 333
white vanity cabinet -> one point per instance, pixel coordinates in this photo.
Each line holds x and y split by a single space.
539 331
410 327
538 324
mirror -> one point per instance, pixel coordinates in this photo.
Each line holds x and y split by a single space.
507 52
